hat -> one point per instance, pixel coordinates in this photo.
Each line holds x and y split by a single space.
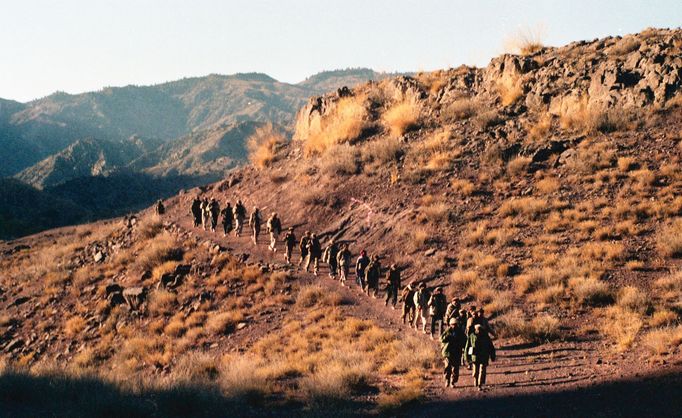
452 321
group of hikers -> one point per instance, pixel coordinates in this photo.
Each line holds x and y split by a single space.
465 334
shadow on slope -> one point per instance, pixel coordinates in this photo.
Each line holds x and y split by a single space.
25 395
25 210
653 396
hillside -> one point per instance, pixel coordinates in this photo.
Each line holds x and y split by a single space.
544 187
36 130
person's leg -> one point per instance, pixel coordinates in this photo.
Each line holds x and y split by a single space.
482 374
433 324
476 373
454 362
446 371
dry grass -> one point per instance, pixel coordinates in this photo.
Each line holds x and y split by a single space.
622 326
402 116
626 164
463 187
341 159
577 113
525 41
158 250
539 131
669 239
633 299
435 212
264 144
548 185
669 287
510 90
540 329
224 322
345 123
461 109
664 317
590 291
74 326
382 151
161 302
518 165
663 340
315 295
530 207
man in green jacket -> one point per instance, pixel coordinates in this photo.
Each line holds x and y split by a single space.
451 342
480 350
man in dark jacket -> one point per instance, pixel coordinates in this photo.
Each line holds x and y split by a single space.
289 242
303 248
373 275
361 269
481 350
437 305
452 342
407 297
226 212
314 254
196 211
392 285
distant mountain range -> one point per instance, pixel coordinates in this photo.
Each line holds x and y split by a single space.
191 130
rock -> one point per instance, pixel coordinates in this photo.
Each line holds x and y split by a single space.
135 297
430 252
20 301
241 325
111 289
99 257
14 344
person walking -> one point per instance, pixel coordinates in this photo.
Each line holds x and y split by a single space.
195 209
437 305
254 223
226 213
289 242
343 260
392 285
314 254
361 268
239 216
481 350
330 257
407 297
303 248
452 342
274 226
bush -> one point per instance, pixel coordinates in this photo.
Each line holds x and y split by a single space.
382 150
264 144
460 109
336 380
633 299
343 159
542 328
669 240
74 326
241 377
315 295
402 117
224 322
345 123
590 291
622 326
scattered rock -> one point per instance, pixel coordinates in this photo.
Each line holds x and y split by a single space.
135 297
14 344
99 257
20 301
241 325
430 252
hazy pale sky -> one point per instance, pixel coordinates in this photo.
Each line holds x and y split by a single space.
83 45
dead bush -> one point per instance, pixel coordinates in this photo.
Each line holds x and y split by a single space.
264 144
383 151
590 291
341 159
669 239
224 322
460 109
622 326
402 116
345 123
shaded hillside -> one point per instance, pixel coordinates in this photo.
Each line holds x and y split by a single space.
84 158
211 152
25 210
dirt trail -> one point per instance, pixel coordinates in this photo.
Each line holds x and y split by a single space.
521 369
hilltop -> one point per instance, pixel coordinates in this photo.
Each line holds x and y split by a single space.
544 187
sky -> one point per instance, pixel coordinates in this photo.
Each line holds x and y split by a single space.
85 45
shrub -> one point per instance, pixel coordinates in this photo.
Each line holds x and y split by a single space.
463 186
384 150
74 326
622 326
241 377
345 123
343 159
542 328
436 212
263 145
518 165
541 128
548 185
510 90
161 302
161 249
633 299
590 291
224 322
669 240
315 295
460 109
626 164
525 41
402 116
487 119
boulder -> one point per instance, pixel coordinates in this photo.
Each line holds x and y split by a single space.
135 297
